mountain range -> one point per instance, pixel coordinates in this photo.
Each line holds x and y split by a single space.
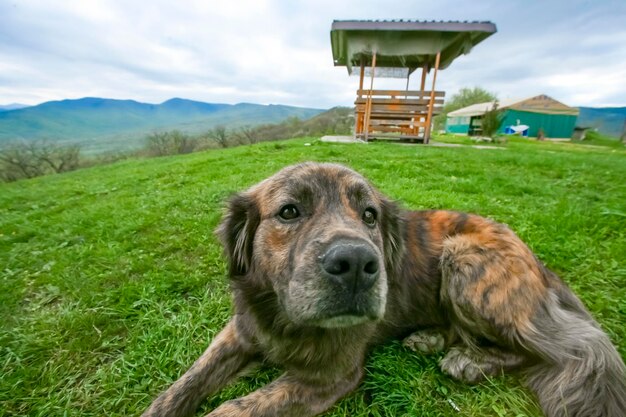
100 123
12 106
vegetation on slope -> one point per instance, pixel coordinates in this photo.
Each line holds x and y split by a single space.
31 159
106 124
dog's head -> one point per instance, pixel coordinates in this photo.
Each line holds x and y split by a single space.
321 238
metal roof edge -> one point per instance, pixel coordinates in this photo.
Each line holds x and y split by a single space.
433 25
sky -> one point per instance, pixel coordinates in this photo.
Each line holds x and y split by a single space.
278 51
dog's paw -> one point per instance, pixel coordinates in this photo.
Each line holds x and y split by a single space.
462 364
426 341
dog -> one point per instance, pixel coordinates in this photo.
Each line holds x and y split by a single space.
322 267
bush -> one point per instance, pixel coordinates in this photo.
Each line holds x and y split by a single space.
492 120
220 135
170 143
32 159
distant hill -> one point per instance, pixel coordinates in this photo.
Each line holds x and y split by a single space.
12 106
608 120
107 124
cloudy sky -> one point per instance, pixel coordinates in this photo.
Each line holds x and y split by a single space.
278 51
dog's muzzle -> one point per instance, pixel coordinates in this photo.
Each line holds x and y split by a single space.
351 265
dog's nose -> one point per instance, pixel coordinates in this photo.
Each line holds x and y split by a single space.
353 265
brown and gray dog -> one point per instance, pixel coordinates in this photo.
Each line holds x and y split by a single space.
323 267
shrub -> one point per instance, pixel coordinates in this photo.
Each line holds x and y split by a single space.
492 120
170 143
32 159
220 135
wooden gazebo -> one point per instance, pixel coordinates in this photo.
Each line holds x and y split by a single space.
396 49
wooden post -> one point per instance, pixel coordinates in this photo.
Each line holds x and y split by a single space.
362 75
360 117
431 103
368 104
422 96
408 76
424 72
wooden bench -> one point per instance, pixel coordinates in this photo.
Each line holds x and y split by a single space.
382 113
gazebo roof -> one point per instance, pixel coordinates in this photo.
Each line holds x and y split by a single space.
408 44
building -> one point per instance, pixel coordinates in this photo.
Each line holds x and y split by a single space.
525 117
396 49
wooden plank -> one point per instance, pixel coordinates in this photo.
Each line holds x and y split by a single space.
391 129
398 93
392 122
387 129
397 137
398 116
394 136
402 114
399 108
398 101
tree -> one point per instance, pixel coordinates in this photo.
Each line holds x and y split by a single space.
247 134
219 135
157 143
465 97
32 159
174 142
492 120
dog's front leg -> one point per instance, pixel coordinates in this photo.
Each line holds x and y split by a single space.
291 395
225 356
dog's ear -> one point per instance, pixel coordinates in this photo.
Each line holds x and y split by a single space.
392 226
236 232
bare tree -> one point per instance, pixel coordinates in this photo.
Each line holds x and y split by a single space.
17 162
157 143
32 159
181 143
247 134
58 158
169 143
219 135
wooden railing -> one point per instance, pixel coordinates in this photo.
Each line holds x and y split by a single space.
393 113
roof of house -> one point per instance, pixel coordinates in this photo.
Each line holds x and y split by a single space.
404 43
536 104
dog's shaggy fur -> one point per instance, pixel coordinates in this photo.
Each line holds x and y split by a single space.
323 267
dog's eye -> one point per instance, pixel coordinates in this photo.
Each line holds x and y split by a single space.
369 216
289 212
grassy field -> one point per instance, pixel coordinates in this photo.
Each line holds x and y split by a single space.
112 282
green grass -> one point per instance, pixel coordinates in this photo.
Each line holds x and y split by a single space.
597 138
112 282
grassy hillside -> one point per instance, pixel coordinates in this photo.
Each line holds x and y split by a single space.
113 283
99 124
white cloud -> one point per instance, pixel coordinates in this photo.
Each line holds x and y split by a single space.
278 51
